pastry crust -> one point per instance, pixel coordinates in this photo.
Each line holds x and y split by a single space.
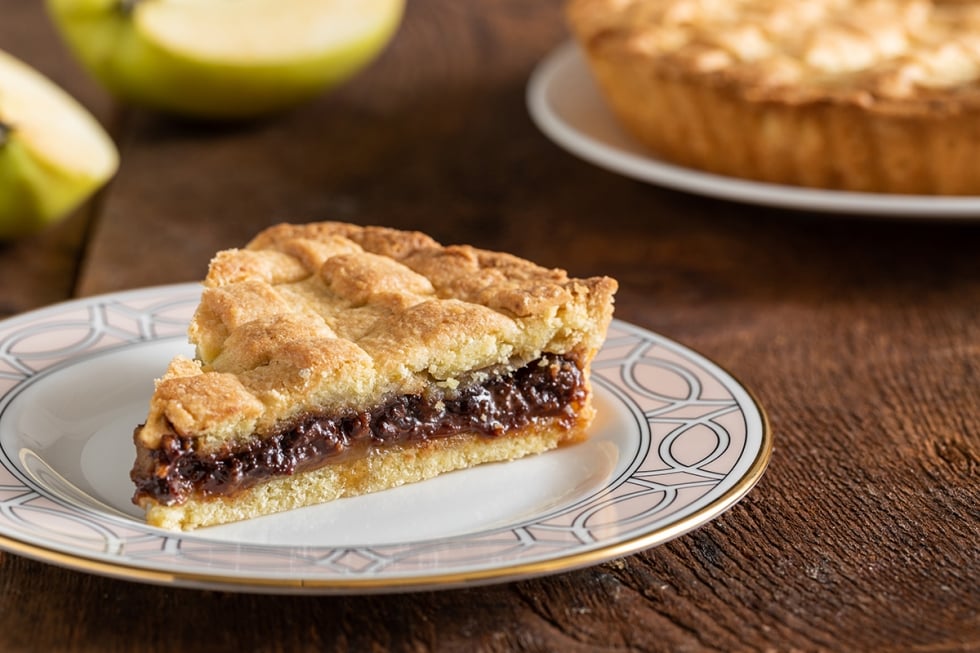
384 469
866 95
336 319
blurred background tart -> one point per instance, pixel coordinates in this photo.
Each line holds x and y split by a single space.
861 95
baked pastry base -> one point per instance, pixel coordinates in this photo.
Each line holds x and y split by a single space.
381 469
823 144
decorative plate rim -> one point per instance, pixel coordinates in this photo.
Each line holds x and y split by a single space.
566 64
60 554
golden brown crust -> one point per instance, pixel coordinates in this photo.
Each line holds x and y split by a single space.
861 95
359 326
330 317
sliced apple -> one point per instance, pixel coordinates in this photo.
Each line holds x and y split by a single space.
53 153
224 58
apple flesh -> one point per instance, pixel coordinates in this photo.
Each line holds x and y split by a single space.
53 153
224 58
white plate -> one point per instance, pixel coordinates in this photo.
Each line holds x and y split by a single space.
566 105
678 441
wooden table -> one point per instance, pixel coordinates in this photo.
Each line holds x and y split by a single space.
860 336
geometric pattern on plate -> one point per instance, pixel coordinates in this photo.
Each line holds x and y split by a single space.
689 442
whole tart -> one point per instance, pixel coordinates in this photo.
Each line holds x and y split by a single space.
334 360
860 95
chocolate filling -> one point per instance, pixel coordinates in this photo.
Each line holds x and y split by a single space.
548 388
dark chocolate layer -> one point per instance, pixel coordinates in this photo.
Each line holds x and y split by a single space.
547 388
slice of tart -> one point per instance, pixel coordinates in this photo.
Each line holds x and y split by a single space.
335 360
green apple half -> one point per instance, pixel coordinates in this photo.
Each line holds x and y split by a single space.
224 58
53 153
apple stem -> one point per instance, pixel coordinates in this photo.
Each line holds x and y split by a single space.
126 7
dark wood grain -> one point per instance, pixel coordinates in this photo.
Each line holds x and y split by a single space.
859 336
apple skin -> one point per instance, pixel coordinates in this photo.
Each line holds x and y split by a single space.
33 193
53 153
137 70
